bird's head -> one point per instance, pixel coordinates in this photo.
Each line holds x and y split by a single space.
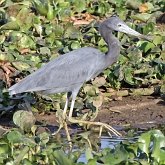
116 24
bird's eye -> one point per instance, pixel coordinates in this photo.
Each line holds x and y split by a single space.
119 25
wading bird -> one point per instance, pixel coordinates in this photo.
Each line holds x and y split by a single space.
68 72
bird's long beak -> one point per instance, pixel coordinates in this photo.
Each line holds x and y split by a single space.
126 29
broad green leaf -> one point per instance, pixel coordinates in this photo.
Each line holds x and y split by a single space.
44 138
92 161
24 119
26 42
75 45
27 162
79 5
145 45
50 13
45 51
14 137
29 142
133 4
158 152
21 66
135 56
119 156
61 158
144 142
40 7
98 101
13 25
4 149
157 40
149 27
59 30
6 57
163 55
72 32
141 17
158 149
25 18
128 75
2 38
38 28
88 153
99 81
90 90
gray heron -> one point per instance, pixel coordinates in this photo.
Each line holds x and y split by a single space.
68 72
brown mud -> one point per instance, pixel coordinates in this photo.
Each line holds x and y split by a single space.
143 112
138 112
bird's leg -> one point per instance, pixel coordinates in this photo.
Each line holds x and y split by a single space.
101 125
64 124
63 118
71 107
67 134
66 105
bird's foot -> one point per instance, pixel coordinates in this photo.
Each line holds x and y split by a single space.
62 124
59 128
102 125
60 120
64 116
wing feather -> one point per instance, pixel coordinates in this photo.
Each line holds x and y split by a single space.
65 71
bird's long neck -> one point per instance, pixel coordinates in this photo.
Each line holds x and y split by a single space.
113 45
113 48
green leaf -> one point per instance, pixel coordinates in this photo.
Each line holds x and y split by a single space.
145 45
6 57
132 4
75 45
90 90
14 137
2 38
40 7
4 147
128 75
44 138
79 5
157 40
88 153
26 42
92 162
45 51
25 18
144 142
72 32
61 158
149 27
159 149
21 66
141 17
135 56
119 156
50 13
24 119
13 25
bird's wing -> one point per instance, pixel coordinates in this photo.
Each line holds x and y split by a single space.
70 69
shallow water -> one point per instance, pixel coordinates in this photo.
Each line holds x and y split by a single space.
107 142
